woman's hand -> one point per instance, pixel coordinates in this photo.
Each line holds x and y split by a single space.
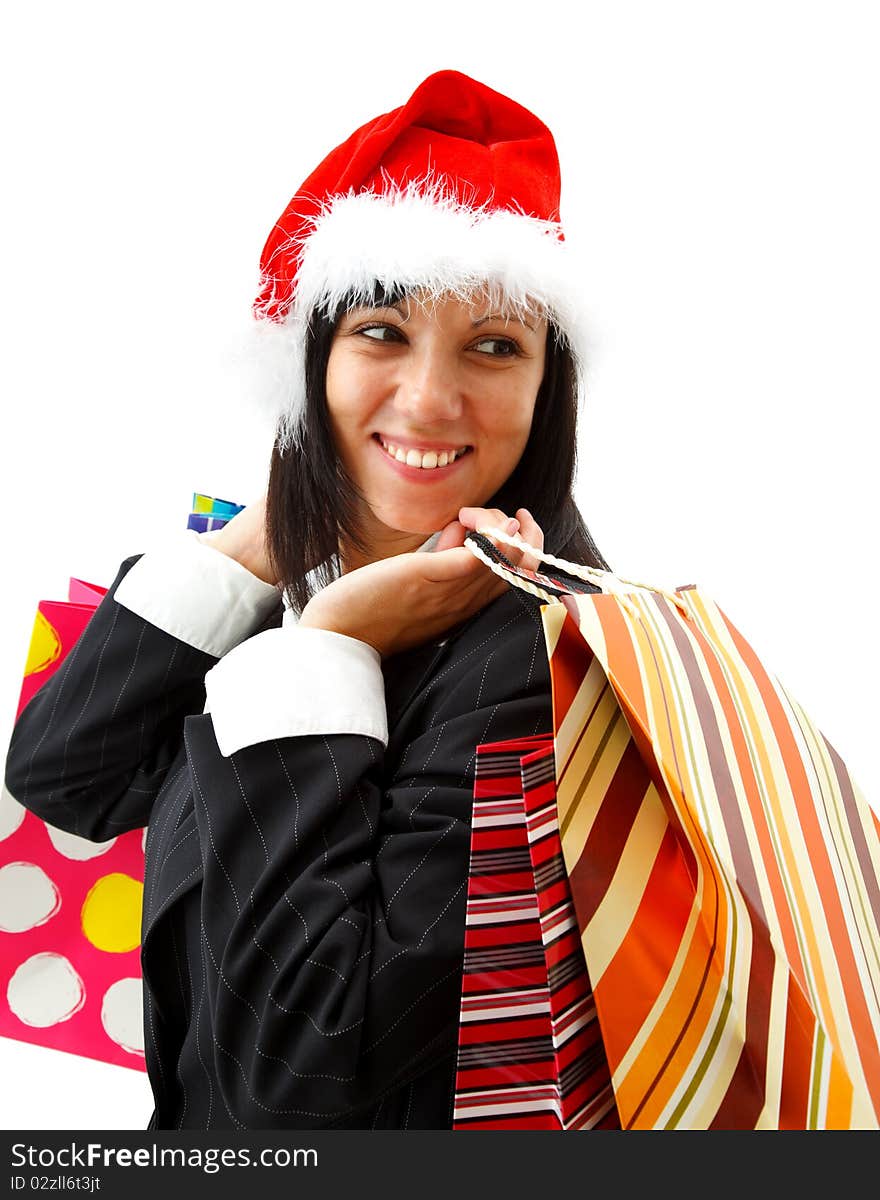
400 602
243 538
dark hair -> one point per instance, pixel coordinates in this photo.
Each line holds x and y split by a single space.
312 503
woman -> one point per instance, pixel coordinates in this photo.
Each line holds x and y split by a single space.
308 827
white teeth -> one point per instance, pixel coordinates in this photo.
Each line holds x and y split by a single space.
426 461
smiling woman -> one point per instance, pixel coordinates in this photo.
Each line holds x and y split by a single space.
427 382
307 775
431 373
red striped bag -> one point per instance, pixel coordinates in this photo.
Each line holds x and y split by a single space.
724 866
530 1053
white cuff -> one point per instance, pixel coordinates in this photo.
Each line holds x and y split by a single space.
292 681
197 593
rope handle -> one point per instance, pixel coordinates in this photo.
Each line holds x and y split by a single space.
480 544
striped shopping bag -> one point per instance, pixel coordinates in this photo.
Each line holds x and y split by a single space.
724 866
530 1052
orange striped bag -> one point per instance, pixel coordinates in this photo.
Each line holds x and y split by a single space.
723 864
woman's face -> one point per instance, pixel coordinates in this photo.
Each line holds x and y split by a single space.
453 383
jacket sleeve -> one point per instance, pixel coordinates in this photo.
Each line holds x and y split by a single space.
91 750
335 882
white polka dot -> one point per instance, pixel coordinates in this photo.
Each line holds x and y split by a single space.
11 813
45 990
122 1014
28 897
75 847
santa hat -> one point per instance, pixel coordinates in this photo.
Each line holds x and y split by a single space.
455 191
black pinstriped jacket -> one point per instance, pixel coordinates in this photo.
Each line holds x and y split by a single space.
304 899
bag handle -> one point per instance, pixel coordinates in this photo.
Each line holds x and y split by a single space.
548 589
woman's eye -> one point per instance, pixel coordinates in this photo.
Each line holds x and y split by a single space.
376 333
504 347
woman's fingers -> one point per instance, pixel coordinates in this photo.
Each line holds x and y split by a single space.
530 531
451 535
523 525
401 601
475 518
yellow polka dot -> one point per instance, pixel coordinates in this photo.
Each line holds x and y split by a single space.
111 913
45 647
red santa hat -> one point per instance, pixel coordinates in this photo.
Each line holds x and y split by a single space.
455 192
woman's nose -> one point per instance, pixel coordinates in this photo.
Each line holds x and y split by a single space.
428 389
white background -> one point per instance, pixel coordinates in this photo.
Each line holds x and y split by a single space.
720 187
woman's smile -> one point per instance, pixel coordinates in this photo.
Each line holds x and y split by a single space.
420 465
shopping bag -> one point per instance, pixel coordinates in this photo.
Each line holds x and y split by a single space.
208 512
70 909
724 866
530 1052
